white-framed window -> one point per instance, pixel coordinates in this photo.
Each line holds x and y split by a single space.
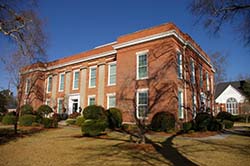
27 86
92 77
76 79
180 104
49 84
60 105
192 71
208 83
142 103
61 82
111 100
112 73
142 65
179 64
232 106
47 102
194 102
201 76
91 100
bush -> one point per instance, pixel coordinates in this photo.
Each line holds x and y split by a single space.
187 126
228 124
94 112
214 125
1 117
27 120
92 127
44 110
163 121
224 116
26 109
9 119
63 116
202 121
114 118
79 120
50 123
74 115
71 121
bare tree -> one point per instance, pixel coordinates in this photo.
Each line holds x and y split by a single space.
219 62
245 108
216 13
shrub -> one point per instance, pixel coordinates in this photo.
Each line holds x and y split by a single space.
94 112
1 117
79 120
202 121
35 124
224 116
44 110
163 121
47 122
214 125
74 115
228 124
71 121
187 126
9 119
26 120
92 127
26 109
114 118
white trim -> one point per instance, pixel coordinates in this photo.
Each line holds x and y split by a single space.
73 87
106 44
59 86
110 95
58 99
92 67
47 89
111 63
137 101
91 96
141 53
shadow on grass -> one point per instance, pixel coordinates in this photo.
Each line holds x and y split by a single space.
8 134
170 153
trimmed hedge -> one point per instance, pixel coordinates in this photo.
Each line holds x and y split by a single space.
94 112
163 121
79 120
202 121
224 116
27 120
71 121
50 123
187 126
44 110
228 124
26 109
92 127
9 119
114 118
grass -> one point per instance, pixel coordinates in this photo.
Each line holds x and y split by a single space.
66 146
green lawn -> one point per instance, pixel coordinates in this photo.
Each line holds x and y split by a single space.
65 147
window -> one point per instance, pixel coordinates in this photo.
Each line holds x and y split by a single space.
61 82
194 104
49 84
180 104
192 72
27 86
142 103
76 80
59 105
207 78
201 76
142 65
47 102
112 74
91 100
232 106
179 63
92 77
111 100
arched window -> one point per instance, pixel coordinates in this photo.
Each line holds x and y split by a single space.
232 106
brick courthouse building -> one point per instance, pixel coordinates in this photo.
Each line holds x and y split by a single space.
148 71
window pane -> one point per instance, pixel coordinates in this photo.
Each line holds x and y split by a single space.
61 82
49 84
142 111
142 60
76 80
180 104
112 74
92 101
142 66
92 77
142 71
111 101
60 106
142 102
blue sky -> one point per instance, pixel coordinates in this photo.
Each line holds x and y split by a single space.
74 26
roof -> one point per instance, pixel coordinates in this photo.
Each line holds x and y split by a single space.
238 85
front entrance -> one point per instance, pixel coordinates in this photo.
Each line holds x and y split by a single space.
74 104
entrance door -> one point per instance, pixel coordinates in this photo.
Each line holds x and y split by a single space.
74 103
